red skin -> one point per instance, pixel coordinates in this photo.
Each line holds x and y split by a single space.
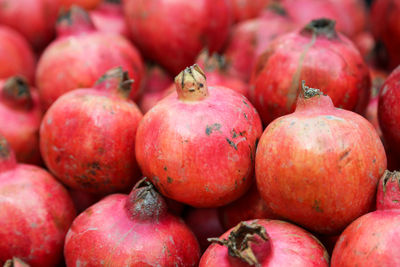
249 39
389 111
350 15
86 4
36 212
109 233
385 27
247 9
172 32
319 166
83 200
108 17
34 19
250 206
204 224
80 55
365 43
199 152
332 64
155 83
22 121
288 245
87 138
16 54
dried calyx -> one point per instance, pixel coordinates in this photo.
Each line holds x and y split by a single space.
16 93
239 240
309 92
321 27
191 84
389 176
15 262
115 80
74 21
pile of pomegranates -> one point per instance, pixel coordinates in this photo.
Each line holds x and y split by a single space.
177 133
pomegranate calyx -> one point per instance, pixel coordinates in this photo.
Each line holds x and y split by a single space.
74 21
15 262
213 62
117 2
309 92
238 242
144 202
16 93
115 80
191 84
5 150
321 27
387 176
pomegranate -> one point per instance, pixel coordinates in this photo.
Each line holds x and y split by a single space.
319 166
318 54
20 116
130 230
250 38
83 200
372 240
108 17
197 145
214 67
87 137
247 9
389 111
155 84
34 19
36 212
86 4
350 15
365 43
16 54
265 243
172 32
15 262
204 224
250 206
80 55
385 27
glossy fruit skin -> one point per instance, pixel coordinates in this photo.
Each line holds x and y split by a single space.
350 15
22 121
249 39
108 17
288 245
18 54
108 233
247 9
177 29
319 166
80 55
36 212
385 27
389 111
87 139
331 63
205 224
249 206
200 153
34 19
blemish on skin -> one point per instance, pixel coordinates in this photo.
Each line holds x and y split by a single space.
169 179
34 225
165 168
247 105
317 206
231 143
49 120
213 127
207 188
245 115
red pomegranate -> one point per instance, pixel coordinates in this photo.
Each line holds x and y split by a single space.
365 43
155 84
372 240
319 166
87 137
108 17
86 4
247 9
250 38
34 19
318 54
389 111
385 27
173 32
80 55
248 207
36 212
204 224
130 230
350 15
265 243
15 262
83 200
16 55
197 145
20 116
215 68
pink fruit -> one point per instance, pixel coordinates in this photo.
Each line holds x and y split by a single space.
87 137
86 4
130 230
247 9
36 212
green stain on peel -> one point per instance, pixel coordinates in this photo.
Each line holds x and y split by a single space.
211 128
